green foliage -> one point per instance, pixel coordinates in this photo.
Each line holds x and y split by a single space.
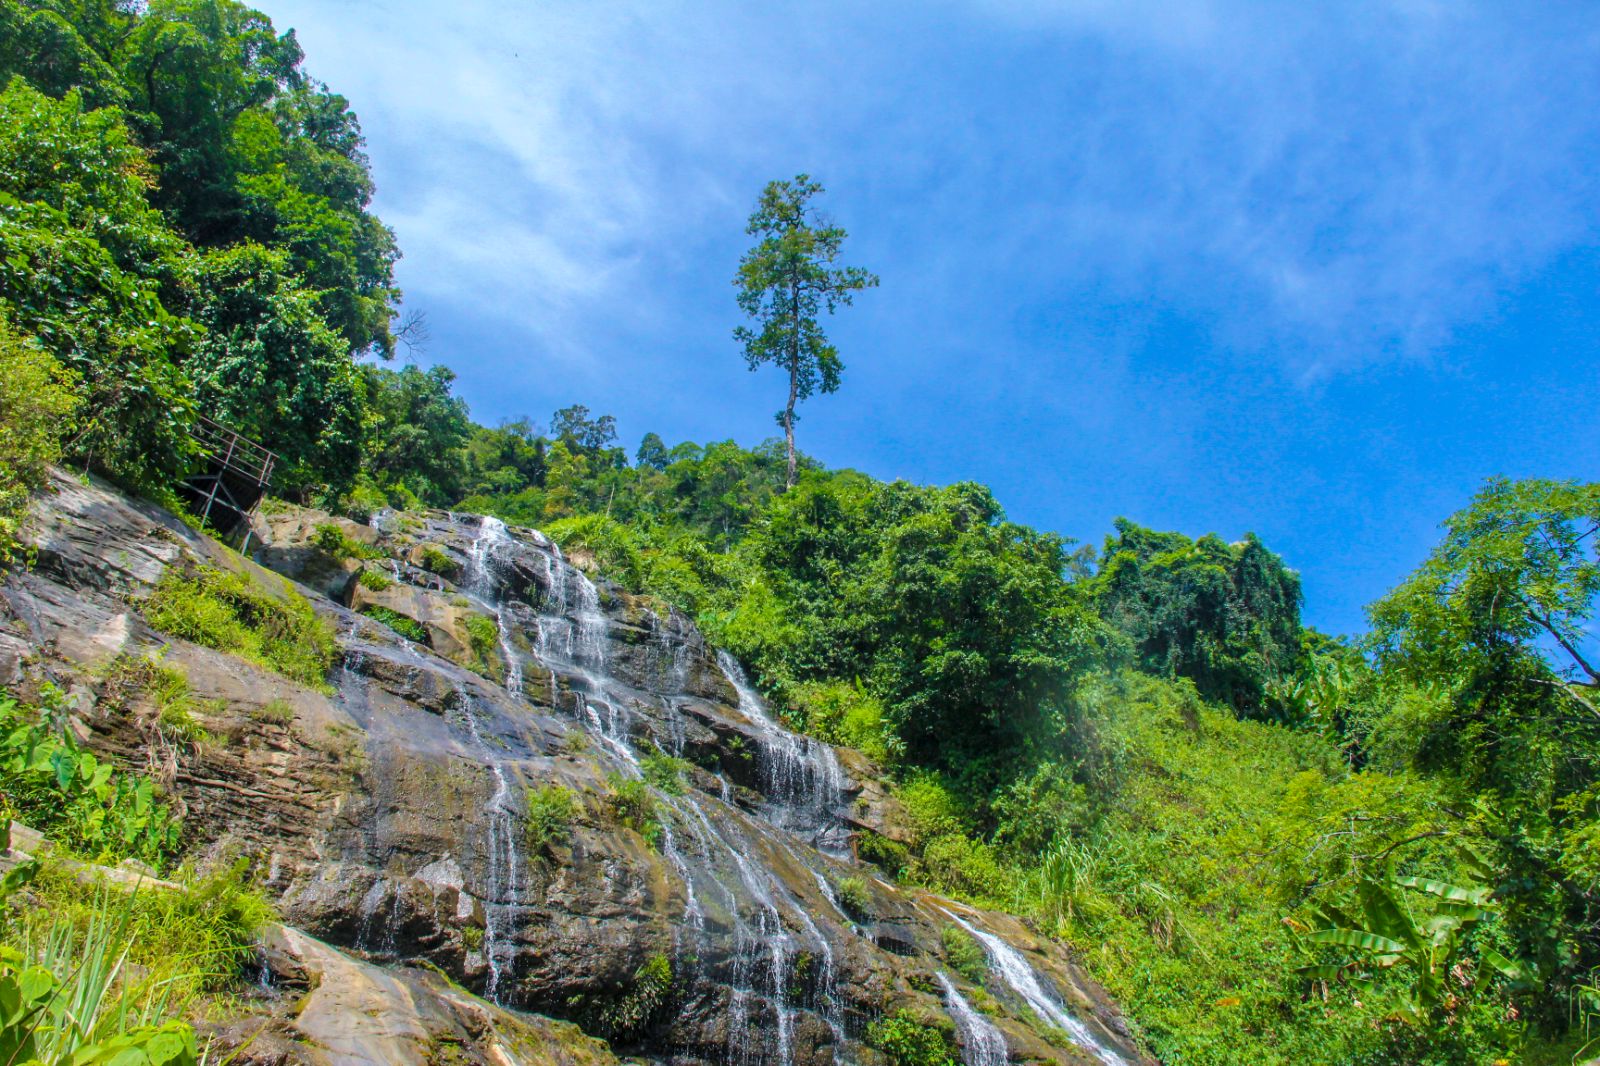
784 283
663 771
624 1014
438 561
271 368
844 714
331 538
374 580
68 1007
409 628
231 613
964 954
1424 940
1226 616
483 634
854 897
551 809
907 1040
632 805
37 404
48 782
90 268
118 966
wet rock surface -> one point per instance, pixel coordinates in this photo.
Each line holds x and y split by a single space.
389 813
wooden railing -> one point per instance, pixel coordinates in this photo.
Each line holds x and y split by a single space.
240 455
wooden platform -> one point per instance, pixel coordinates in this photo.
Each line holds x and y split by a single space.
236 475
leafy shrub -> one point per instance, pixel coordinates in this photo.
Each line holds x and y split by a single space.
230 613
663 771
409 628
551 809
891 856
625 1014
483 635
846 714
960 866
472 937
83 804
906 1040
854 897
632 805
36 406
931 807
964 954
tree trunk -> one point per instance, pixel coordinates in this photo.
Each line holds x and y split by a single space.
788 424
794 378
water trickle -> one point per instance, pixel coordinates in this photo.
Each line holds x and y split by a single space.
1021 979
981 1043
502 859
800 775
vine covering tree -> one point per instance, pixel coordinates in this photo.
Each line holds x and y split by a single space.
784 283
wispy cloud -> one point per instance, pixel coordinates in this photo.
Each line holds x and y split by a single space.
1326 185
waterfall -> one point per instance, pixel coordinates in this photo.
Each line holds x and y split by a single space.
1021 979
800 775
981 1043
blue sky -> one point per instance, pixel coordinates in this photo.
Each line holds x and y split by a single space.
1310 270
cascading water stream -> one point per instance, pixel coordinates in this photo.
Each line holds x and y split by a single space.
981 1043
800 776
1021 978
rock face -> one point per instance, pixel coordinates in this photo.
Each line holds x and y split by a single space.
556 794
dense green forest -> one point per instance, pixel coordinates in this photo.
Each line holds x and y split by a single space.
1380 849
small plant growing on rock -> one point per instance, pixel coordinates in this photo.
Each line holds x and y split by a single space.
964 954
483 635
333 540
632 806
551 809
907 1040
663 771
472 937
437 560
624 1015
854 897
409 628
278 712
374 580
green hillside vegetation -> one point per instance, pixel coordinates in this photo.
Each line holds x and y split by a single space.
1270 845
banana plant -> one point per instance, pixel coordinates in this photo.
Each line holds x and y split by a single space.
1413 926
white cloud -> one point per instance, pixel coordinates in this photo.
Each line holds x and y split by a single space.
1350 183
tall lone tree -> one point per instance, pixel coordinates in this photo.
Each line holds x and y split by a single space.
784 282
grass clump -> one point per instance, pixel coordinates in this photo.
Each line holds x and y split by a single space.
231 613
964 954
854 897
551 809
330 538
374 580
409 628
632 806
436 560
